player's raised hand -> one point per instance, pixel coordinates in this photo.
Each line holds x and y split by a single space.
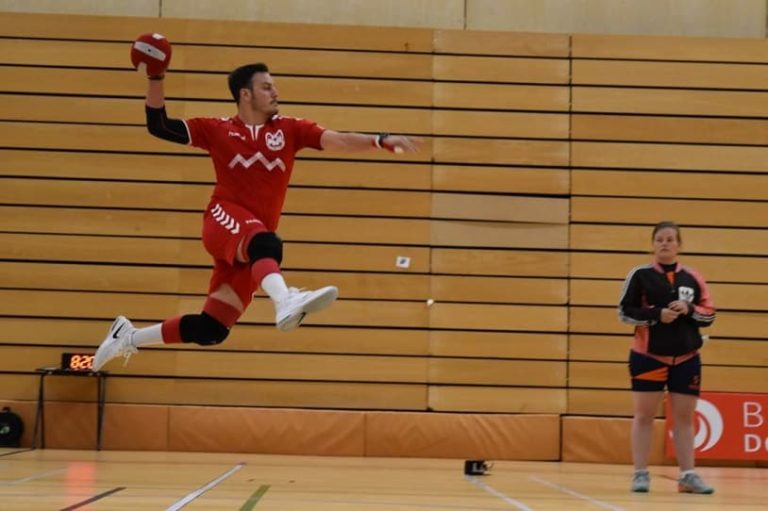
151 53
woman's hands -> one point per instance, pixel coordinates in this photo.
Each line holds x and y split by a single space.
674 310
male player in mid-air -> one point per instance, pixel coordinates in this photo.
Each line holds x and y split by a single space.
253 154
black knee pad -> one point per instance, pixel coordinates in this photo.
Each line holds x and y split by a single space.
265 244
202 329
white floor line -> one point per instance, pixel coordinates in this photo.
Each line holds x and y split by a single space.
192 496
31 478
576 494
497 493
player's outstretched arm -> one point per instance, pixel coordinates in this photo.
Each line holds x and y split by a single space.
151 55
356 142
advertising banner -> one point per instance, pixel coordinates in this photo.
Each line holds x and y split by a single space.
728 426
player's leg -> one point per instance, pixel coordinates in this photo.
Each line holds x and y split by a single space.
221 236
264 251
232 234
648 379
683 408
684 385
210 327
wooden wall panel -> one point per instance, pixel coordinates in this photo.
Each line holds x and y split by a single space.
709 49
546 160
669 129
447 398
129 111
87 333
501 152
499 208
501 69
501 43
746 297
500 180
692 185
198 169
673 101
498 317
698 240
668 74
501 97
671 157
498 234
726 352
498 344
728 324
212 86
206 58
497 372
617 403
211 31
499 124
715 268
499 262
499 289
689 212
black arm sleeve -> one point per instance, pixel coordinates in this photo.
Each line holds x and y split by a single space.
158 123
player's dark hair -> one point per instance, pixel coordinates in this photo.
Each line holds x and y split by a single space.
242 78
667 224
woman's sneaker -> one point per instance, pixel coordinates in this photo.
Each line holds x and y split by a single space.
641 481
693 483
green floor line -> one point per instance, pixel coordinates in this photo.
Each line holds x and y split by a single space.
255 498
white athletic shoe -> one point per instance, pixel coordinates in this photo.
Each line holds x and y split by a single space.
290 311
117 343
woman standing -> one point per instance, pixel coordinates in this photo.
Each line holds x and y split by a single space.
667 303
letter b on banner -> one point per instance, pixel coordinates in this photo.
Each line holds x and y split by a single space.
753 415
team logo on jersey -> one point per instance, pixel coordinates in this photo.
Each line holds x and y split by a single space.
276 140
258 157
685 294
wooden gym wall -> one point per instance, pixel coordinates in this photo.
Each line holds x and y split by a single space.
548 158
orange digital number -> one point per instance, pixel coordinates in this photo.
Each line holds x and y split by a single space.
81 362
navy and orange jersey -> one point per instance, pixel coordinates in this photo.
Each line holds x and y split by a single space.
254 163
647 290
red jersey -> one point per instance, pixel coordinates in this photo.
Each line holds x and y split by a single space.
254 163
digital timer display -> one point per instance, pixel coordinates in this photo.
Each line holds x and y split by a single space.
77 361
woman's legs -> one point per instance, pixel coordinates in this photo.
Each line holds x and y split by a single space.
683 410
645 406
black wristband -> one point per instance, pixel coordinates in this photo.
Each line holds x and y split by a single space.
157 77
379 140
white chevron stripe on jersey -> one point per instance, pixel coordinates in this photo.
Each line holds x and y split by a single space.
269 165
226 221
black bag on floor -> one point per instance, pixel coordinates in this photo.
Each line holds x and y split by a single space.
11 428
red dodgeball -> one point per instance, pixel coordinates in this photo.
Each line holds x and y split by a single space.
151 53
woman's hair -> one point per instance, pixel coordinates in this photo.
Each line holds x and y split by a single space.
667 224
242 78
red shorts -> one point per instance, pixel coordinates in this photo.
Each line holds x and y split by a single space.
225 226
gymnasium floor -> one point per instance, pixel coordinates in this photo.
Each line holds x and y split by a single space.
113 480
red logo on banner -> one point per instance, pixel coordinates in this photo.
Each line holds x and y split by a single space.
728 426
